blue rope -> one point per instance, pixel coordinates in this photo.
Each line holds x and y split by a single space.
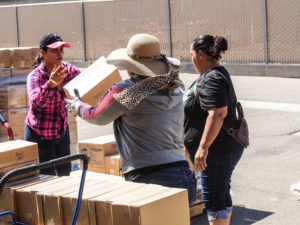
79 198
14 219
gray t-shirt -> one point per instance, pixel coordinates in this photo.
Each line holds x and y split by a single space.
152 133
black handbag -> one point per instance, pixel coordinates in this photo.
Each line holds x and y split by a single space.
241 134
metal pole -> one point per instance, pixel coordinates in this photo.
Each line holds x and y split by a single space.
169 28
17 27
83 31
266 32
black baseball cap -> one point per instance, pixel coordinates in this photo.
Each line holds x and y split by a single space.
52 40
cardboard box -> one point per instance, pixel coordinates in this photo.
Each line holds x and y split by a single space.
154 209
7 197
21 71
13 96
69 200
23 56
96 149
16 154
94 81
5 57
113 164
100 206
73 133
197 209
5 72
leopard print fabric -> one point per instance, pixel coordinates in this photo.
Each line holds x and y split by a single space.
132 96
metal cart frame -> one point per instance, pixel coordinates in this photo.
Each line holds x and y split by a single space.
44 165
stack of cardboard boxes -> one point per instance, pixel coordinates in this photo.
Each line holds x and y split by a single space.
15 64
20 57
103 154
104 158
13 105
106 199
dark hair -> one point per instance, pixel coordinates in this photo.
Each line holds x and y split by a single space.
212 46
38 59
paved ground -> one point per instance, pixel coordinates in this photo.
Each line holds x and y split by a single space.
271 164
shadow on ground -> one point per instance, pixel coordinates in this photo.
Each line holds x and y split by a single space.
241 216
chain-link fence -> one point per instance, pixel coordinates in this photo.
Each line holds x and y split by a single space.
258 31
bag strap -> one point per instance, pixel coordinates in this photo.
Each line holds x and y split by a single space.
228 129
240 112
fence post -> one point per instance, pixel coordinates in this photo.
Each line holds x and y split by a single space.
17 27
266 32
169 19
83 30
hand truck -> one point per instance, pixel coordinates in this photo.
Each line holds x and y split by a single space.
7 127
44 165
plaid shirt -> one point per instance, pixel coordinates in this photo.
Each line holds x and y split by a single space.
47 115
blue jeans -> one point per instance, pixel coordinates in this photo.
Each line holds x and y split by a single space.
215 181
174 177
51 149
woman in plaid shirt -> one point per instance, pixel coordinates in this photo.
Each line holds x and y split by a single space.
46 121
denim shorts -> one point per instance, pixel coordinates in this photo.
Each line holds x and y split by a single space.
176 177
215 182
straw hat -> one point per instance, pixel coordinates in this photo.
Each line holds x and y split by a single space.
140 56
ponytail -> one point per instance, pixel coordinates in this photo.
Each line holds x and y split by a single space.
37 60
210 45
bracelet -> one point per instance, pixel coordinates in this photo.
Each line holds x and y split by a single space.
52 82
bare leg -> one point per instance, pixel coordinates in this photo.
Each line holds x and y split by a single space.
229 217
219 222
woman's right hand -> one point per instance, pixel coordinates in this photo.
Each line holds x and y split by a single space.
200 159
73 105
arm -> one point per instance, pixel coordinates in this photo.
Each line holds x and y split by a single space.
106 110
39 94
212 127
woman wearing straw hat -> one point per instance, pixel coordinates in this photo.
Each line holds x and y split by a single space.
147 110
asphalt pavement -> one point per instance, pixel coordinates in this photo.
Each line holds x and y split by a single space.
263 178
